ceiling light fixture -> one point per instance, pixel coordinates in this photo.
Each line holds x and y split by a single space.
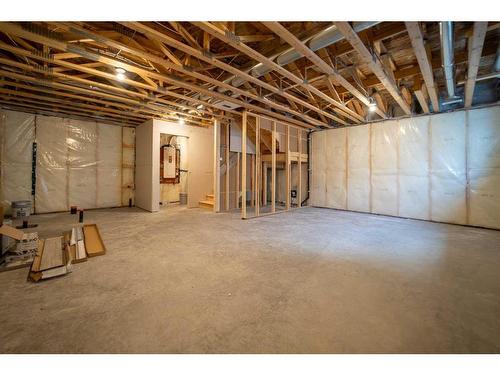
372 106
181 121
120 73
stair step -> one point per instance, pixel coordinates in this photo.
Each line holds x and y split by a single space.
206 204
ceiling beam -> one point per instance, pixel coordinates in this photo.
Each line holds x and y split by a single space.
424 61
152 33
374 64
326 68
223 36
475 45
57 44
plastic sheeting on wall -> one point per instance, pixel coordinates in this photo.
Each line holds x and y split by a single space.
384 161
109 160
448 178
18 135
413 168
318 188
78 162
358 168
336 181
484 167
443 167
51 172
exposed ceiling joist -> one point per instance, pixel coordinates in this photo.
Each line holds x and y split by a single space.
374 64
475 45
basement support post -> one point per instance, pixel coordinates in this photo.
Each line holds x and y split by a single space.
287 167
216 165
273 168
227 168
257 166
299 164
237 190
252 180
244 165
264 184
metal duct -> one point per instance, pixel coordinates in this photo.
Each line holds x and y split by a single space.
448 56
325 38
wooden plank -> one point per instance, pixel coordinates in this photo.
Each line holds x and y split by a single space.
216 164
93 241
227 167
252 180
257 166
287 168
417 41
273 168
52 255
374 64
301 47
244 165
299 163
237 190
476 42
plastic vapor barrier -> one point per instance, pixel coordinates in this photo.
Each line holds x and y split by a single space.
358 168
384 156
318 190
484 167
443 167
448 178
18 135
413 153
77 162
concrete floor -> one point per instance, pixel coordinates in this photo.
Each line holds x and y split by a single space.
311 280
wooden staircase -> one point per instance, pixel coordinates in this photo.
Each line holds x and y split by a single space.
208 202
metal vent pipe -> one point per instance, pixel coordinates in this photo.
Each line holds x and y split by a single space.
448 56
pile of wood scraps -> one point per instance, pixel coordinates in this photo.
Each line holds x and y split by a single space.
53 256
20 248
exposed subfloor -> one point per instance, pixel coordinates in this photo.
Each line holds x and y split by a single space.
311 280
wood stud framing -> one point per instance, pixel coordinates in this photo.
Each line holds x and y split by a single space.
476 42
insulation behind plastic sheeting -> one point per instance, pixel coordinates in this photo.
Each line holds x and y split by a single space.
414 168
484 167
51 173
448 177
109 160
82 158
18 135
318 191
385 168
335 152
358 165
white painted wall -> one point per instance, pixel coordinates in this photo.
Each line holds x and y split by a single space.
199 162
443 167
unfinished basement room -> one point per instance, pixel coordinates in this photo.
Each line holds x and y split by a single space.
250 187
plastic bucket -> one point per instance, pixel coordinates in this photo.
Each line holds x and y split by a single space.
21 209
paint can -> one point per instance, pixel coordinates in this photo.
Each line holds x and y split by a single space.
21 209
